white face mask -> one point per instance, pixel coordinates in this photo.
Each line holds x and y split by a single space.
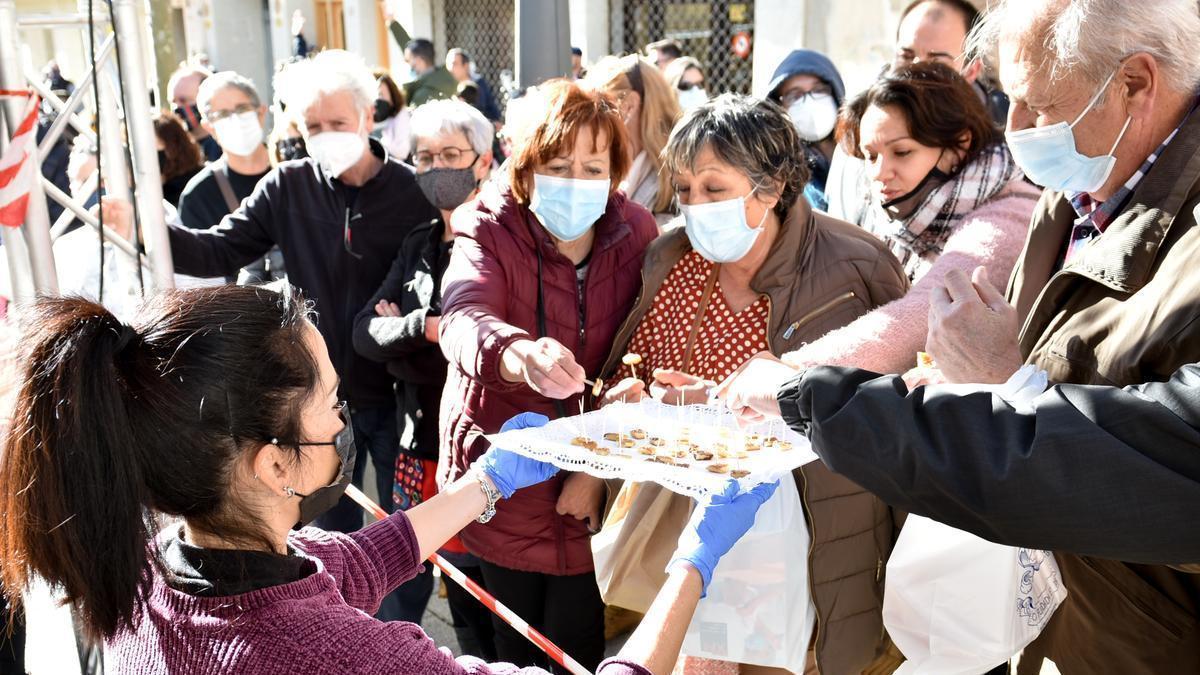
239 134
814 116
692 98
719 231
337 151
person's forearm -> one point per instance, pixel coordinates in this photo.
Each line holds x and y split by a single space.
512 361
657 640
452 509
1090 471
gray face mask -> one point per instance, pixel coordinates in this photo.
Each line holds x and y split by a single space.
447 189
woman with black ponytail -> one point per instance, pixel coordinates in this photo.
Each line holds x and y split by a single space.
219 407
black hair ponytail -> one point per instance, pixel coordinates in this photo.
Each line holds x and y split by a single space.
114 424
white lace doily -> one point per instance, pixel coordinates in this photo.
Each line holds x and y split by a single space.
680 438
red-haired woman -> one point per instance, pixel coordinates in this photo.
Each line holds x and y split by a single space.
544 269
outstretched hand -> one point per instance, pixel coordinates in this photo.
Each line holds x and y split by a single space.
510 471
718 524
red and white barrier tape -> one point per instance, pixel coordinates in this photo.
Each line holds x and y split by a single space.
510 617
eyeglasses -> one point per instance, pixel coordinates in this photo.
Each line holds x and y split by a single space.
794 95
688 86
450 157
218 115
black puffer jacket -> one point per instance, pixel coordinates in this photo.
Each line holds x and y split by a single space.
414 283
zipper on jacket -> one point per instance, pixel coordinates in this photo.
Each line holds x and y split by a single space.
791 330
812 588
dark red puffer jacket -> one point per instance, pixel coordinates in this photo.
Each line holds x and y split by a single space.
489 300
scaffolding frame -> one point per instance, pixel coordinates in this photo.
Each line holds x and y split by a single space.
29 248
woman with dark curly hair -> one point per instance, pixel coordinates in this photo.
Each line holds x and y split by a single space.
754 268
179 158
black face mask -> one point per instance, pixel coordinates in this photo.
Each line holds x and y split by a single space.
291 148
447 189
190 116
904 206
324 498
383 110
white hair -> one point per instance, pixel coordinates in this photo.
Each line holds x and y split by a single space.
1089 38
447 116
330 72
225 78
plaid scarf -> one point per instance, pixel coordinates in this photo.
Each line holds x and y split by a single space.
918 240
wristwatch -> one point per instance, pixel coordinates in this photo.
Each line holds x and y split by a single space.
490 493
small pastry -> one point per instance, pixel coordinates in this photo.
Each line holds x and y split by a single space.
638 434
632 360
784 445
656 442
612 436
739 473
702 455
663 459
601 451
628 442
718 468
752 447
581 442
646 450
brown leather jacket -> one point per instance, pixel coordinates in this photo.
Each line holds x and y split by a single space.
1125 311
821 275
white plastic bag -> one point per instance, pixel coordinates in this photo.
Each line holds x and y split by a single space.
758 609
956 604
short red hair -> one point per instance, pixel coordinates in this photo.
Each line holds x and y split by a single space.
566 109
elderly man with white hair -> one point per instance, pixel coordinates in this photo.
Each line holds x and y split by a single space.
1107 290
339 218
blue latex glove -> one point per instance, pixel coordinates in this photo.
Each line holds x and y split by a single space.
717 525
508 470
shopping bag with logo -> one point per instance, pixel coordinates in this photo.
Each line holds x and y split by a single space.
956 604
758 609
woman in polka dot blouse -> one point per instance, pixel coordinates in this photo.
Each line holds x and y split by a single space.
752 269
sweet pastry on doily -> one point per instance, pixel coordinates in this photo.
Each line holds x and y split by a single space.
718 467
638 434
739 473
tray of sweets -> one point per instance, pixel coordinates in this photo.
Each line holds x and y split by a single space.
692 450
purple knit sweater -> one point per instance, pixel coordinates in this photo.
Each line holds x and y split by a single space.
319 624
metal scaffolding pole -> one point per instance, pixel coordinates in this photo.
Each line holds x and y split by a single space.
142 145
32 258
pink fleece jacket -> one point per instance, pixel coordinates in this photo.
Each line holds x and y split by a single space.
887 339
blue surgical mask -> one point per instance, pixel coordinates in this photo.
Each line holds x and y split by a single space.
718 230
1048 156
568 207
